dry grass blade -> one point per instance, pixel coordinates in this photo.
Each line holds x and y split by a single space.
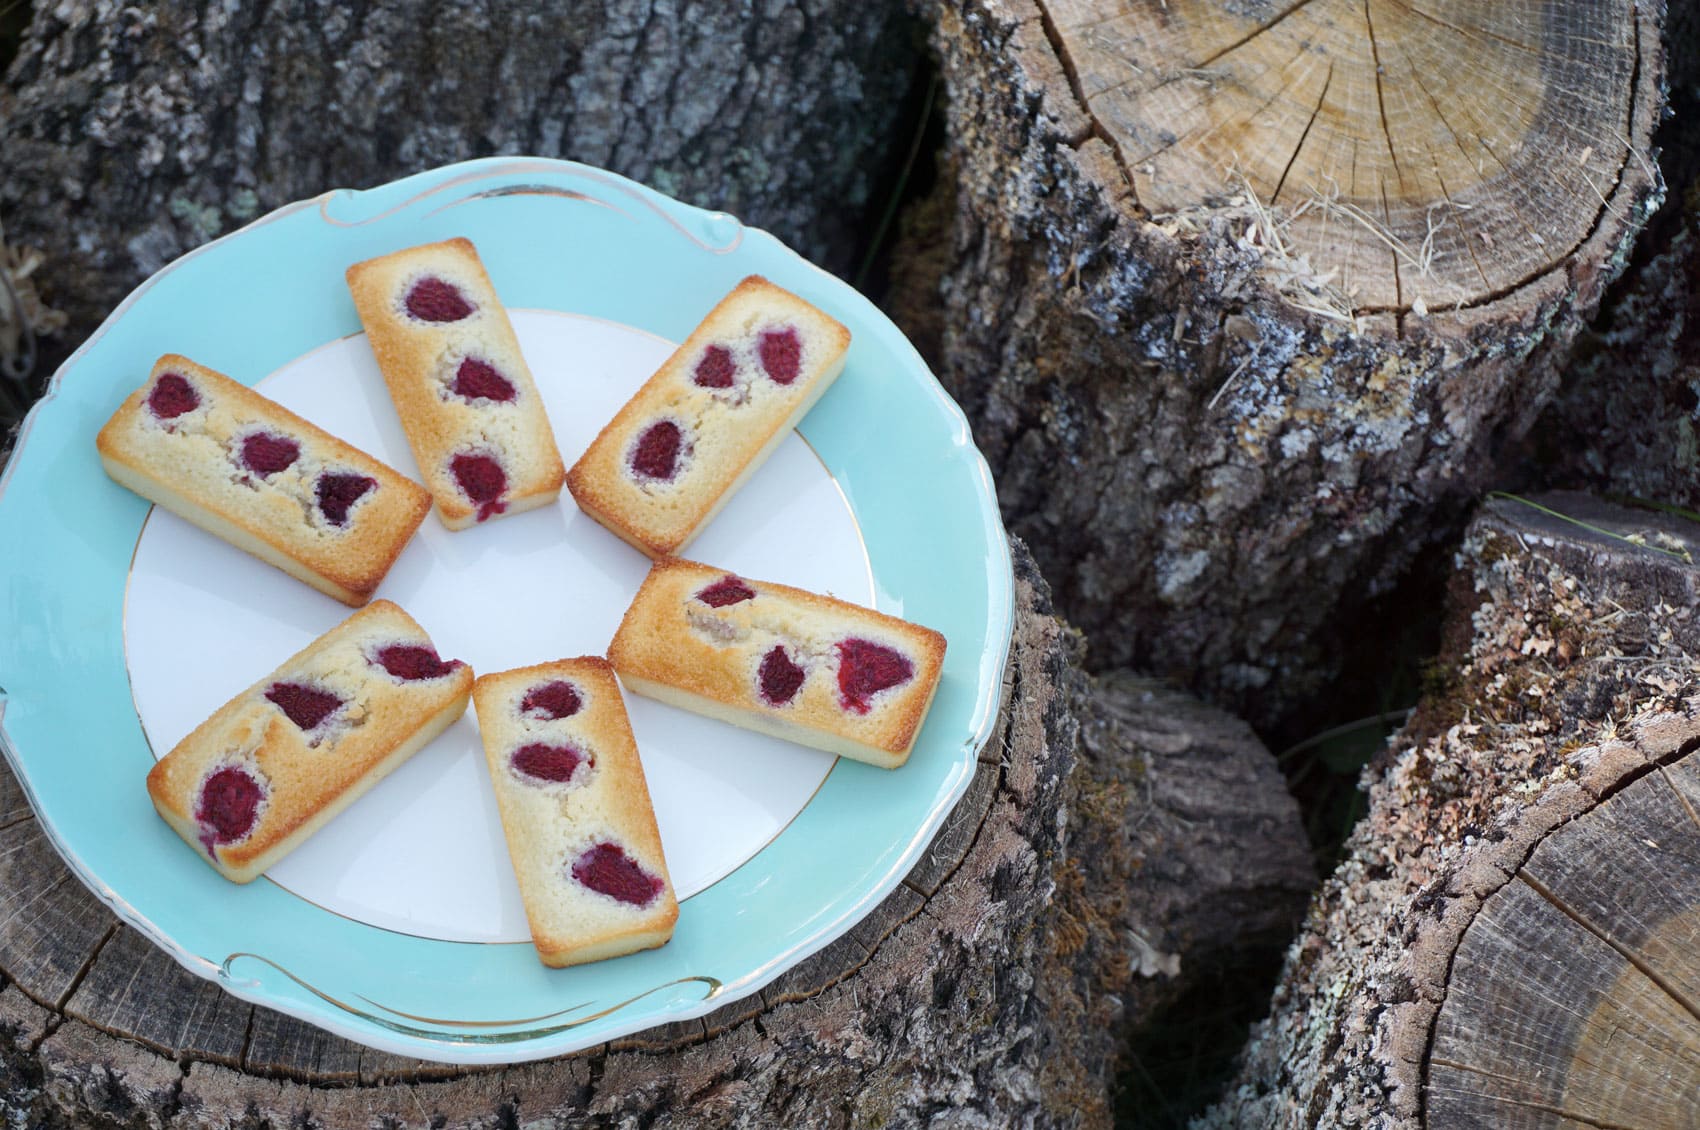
1292 275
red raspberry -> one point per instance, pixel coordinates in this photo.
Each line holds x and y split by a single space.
337 491
607 869
303 705
715 369
781 354
548 762
266 454
482 480
865 668
172 396
228 806
657 454
727 590
412 662
433 300
479 380
559 699
779 677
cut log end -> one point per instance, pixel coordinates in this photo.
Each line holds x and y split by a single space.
1575 993
1510 940
1394 156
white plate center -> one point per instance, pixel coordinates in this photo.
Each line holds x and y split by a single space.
423 852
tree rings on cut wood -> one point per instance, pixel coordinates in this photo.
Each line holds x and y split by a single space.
1575 994
1428 154
1510 940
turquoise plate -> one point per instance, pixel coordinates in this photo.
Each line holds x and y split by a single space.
556 237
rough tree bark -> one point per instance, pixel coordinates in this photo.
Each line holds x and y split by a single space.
1067 894
1626 419
1509 940
1242 297
1172 794
132 133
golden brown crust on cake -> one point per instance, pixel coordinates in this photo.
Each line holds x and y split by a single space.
307 776
726 430
191 464
421 361
554 819
676 646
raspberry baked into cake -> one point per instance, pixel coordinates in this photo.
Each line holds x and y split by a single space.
810 669
713 412
250 471
576 811
471 411
277 762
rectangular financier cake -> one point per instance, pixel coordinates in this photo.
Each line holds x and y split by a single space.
713 412
277 762
810 669
465 396
252 472
576 810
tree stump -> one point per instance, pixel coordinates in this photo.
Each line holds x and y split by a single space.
992 988
133 133
1243 297
1173 792
1509 940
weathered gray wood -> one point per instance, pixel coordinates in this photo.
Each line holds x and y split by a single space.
1220 461
134 989
1509 935
14 805
135 132
382 1069
848 954
1623 421
958 833
1683 777
50 926
1573 988
1506 1054
1185 856
282 1045
1425 157
993 988
1175 791
731 1015
1628 871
